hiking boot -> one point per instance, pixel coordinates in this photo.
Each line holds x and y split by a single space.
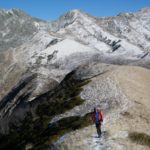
99 136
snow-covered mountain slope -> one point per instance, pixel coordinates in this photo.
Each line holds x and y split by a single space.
132 26
123 34
107 35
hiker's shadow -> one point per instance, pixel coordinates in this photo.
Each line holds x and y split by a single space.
94 136
105 134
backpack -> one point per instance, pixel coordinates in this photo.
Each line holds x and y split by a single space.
97 119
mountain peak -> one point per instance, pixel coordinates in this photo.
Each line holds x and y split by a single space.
68 18
73 14
145 9
76 11
13 12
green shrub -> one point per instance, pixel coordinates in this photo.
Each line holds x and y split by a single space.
66 125
140 138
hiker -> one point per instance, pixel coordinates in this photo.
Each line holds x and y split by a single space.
97 117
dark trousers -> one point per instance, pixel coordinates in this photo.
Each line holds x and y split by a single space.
98 127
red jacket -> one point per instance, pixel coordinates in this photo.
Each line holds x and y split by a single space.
101 117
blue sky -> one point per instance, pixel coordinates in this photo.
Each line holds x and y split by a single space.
52 9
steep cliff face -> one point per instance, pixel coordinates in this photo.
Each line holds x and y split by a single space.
58 71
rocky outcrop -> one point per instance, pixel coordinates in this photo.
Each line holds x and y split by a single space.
16 27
